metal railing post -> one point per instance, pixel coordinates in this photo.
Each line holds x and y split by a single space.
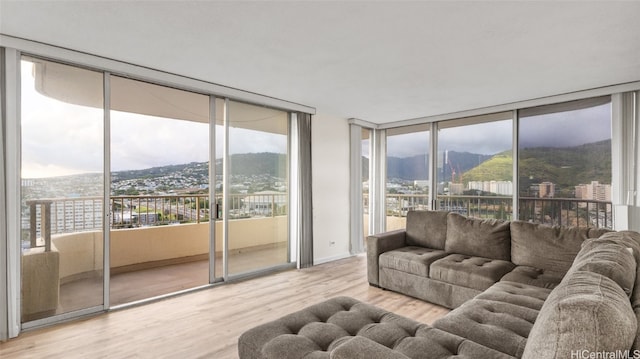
197 209
32 224
45 218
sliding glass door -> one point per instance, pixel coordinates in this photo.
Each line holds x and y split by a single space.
163 189
62 189
159 239
257 200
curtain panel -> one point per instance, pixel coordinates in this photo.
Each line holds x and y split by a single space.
305 201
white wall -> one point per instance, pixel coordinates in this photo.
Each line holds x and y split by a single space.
330 156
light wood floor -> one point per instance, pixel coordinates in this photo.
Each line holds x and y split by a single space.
207 323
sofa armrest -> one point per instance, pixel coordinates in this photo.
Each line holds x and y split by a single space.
361 347
378 244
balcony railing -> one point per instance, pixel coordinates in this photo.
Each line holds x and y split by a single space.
45 217
496 207
567 212
552 211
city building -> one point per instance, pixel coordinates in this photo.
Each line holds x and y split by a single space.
594 191
546 190
456 188
504 188
339 77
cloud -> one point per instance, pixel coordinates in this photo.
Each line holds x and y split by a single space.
60 138
139 141
566 129
484 138
408 145
561 129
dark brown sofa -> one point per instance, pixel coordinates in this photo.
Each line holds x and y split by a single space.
518 289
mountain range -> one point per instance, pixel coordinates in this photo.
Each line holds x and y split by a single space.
245 164
563 166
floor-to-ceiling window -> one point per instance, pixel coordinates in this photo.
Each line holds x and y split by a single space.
159 239
62 187
258 185
564 164
408 174
166 217
365 145
475 166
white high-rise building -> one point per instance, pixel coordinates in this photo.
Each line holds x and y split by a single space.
504 188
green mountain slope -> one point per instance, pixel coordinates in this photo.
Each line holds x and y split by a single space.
246 164
253 164
566 167
497 168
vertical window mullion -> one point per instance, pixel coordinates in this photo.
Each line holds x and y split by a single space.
515 154
106 199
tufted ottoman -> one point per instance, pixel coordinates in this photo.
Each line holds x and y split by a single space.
343 327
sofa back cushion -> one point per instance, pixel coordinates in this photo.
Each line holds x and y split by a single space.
426 229
630 239
550 248
488 238
588 313
611 259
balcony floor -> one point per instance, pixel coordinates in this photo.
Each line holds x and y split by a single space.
141 284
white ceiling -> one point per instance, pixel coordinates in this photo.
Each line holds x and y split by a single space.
377 61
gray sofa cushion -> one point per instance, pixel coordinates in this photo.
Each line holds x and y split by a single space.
432 343
497 325
628 239
550 248
524 295
500 317
471 272
612 260
587 311
533 276
414 260
426 229
635 348
478 237
434 291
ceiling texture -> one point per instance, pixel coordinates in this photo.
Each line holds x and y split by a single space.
381 61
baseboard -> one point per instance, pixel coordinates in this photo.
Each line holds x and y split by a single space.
344 255
159 263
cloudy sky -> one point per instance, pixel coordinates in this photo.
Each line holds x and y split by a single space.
63 139
563 129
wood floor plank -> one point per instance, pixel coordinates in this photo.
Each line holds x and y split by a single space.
207 323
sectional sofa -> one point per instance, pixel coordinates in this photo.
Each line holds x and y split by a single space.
517 290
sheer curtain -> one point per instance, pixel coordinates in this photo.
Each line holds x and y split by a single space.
305 201
3 224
